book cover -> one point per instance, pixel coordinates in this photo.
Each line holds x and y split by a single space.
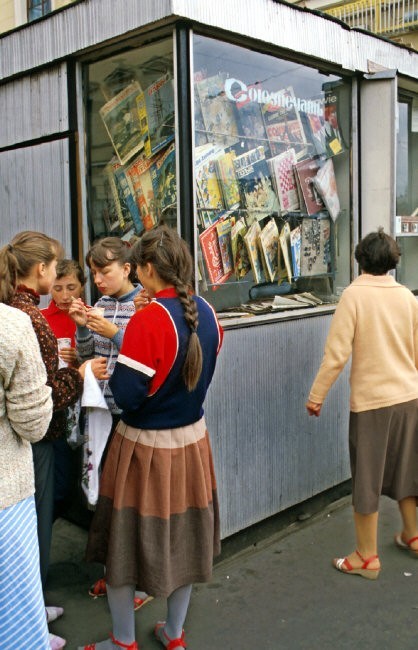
119 204
211 252
139 175
251 124
315 130
251 241
283 124
208 190
228 180
334 139
223 229
316 247
295 246
128 197
163 178
159 103
326 184
269 246
284 239
240 258
217 111
306 170
121 119
255 183
285 182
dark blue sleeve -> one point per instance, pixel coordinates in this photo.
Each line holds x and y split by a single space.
129 387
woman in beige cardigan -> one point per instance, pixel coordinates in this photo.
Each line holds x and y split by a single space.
376 323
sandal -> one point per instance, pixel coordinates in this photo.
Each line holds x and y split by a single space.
406 546
99 589
171 644
342 564
130 646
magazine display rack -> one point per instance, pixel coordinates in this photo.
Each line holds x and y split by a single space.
266 190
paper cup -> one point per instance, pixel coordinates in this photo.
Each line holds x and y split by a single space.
96 311
64 343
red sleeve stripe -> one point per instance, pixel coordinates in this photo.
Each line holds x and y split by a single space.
136 365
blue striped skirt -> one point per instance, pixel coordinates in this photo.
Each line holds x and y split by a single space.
22 609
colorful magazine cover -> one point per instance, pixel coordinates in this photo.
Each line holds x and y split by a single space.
121 119
122 211
228 180
223 228
251 124
285 181
159 103
163 178
316 247
283 123
240 258
251 241
255 183
334 139
211 252
326 184
208 190
139 175
217 111
306 170
269 246
284 239
295 247
129 197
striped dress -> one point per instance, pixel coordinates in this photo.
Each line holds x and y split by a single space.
157 521
22 610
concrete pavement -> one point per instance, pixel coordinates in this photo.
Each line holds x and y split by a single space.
280 594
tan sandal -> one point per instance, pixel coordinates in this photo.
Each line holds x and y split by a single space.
342 564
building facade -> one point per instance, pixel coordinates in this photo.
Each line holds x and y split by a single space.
251 127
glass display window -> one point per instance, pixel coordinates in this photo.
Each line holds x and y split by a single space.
406 221
131 141
272 179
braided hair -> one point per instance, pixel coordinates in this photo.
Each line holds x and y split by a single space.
171 258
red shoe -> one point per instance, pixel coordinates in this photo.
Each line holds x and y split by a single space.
342 564
130 646
406 546
169 644
99 589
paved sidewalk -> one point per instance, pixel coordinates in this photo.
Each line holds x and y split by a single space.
281 594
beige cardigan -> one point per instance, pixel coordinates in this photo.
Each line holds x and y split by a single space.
376 322
25 404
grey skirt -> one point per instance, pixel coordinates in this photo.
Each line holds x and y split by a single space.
384 455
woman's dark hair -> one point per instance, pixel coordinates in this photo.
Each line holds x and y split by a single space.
377 253
108 250
70 267
171 258
17 259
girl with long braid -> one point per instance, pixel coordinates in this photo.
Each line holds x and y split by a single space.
156 525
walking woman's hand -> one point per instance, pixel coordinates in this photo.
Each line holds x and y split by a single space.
313 408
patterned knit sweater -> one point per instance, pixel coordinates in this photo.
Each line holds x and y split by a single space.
25 405
90 345
66 383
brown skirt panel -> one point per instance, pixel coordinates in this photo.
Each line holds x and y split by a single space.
156 523
384 454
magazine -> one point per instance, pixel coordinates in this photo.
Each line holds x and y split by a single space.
326 184
316 247
251 124
283 124
251 241
240 258
223 229
139 175
227 179
255 183
128 196
306 170
121 119
285 182
211 252
163 178
295 246
284 239
269 246
334 140
208 190
116 191
217 111
159 103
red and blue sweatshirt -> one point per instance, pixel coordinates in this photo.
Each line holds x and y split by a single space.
147 381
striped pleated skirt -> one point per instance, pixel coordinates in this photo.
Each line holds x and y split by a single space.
22 610
156 523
